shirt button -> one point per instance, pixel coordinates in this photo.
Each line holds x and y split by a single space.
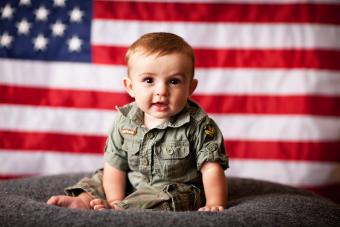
144 162
169 150
146 179
150 135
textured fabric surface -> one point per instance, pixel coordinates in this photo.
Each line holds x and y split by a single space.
252 203
171 197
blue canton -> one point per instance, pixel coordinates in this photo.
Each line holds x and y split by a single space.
48 30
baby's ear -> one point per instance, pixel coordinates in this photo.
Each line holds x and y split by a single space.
128 86
193 85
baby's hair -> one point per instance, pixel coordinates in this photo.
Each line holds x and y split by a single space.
161 43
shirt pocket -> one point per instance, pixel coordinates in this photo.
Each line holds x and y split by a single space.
174 158
132 149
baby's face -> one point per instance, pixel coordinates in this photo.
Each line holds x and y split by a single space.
160 85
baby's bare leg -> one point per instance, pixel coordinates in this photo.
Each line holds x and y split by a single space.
82 201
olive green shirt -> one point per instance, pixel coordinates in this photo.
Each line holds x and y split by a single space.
173 152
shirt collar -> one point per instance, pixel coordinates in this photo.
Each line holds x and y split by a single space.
132 112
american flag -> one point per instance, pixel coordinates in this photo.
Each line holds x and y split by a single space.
268 72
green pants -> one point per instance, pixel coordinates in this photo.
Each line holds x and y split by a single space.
172 197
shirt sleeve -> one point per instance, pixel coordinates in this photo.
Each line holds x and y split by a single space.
209 144
113 152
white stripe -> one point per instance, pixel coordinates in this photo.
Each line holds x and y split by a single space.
295 173
42 162
62 75
278 127
268 82
211 81
221 35
63 120
252 127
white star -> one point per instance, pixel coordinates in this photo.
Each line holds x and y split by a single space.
58 28
6 40
40 42
25 2
23 27
74 44
59 3
76 14
41 13
7 11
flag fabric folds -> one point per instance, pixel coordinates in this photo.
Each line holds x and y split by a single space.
268 72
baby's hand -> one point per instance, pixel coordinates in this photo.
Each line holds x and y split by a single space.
114 205
211 208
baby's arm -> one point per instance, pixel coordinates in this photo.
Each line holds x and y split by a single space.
215 187
114 183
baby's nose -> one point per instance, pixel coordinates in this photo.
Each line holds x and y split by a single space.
161 89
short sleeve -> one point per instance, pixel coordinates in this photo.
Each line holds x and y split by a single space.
113 152
209 144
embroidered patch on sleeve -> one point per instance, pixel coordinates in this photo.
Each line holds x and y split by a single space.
128 131
209 130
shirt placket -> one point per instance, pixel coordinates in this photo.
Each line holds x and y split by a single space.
145 155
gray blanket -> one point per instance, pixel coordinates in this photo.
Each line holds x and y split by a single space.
252 203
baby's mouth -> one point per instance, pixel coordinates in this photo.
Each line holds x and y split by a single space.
160 106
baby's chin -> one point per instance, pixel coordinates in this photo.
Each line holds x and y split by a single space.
161 112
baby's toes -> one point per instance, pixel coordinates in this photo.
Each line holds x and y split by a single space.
96 202
99 207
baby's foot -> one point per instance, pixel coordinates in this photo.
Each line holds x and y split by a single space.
68 202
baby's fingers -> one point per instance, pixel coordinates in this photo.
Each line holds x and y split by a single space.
116 207
212 208
217 208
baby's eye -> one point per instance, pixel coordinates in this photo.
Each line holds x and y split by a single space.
148 80
175 81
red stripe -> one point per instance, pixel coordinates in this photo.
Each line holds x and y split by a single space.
330 191
62 97
260 104
240 58
219 12
220 104
58 142
108 55
12 176
256 58
278 150
309 151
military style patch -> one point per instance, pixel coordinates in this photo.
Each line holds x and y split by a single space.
212 147
209 130
128 131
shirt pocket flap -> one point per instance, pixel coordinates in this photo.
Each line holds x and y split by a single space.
178 150
131 147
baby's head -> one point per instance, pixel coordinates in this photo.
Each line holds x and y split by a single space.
160 43
160 75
